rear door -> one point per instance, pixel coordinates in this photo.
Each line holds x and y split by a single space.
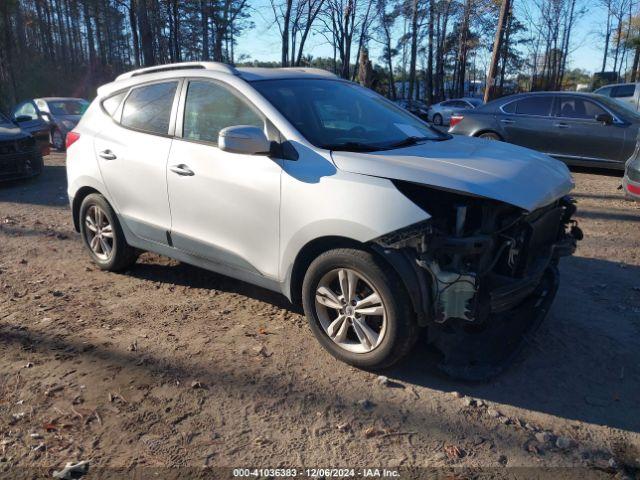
580 136
132 153
528 122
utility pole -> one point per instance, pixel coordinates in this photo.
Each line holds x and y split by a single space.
490 87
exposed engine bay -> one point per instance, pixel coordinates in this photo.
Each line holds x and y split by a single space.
477 259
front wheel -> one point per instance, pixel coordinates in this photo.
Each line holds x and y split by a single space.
358 309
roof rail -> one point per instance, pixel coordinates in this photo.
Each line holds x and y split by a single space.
216 66
316 71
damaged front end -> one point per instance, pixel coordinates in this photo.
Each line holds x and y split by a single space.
481 273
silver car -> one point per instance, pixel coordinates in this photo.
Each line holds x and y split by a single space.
61 114
440 113
315 187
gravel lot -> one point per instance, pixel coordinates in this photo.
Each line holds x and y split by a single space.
170 365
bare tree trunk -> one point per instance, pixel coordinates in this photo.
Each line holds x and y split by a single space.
489 90
146 36
429 77
413 55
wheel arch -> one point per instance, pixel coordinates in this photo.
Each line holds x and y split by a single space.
307 254
489 130
80 195
418 292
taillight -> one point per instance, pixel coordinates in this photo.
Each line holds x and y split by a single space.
633 189
72 137
455 119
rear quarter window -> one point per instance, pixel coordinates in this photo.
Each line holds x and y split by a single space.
148 108
111 104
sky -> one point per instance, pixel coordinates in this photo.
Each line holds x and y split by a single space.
263 42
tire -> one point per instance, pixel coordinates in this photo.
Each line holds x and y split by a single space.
437 119
396 329
57 140
120 255
490 136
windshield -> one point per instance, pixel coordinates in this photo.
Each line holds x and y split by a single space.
338 115
67 107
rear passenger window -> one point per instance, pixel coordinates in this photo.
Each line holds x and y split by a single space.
211 107
149 108
623 91
540 106
112 103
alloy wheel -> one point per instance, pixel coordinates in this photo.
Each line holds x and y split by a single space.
351 310
99 233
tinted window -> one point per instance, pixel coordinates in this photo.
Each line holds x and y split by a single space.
211 107
149 108
68 107
578 108
606 91
540 106
112 103
624 91
509 107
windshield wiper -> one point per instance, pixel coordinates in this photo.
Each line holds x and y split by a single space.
407 142
351 147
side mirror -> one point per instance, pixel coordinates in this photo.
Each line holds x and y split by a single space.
244 139
23 118
604 118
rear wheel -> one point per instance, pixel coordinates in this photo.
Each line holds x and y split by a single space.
358 309
437 119
102 235
490 136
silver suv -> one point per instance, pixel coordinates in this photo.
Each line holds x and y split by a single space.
309 185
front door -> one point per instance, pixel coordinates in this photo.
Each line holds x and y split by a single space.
579 136
224 206
132 156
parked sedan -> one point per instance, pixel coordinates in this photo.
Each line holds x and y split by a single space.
578 128
440 113
19 154
60 114
417 107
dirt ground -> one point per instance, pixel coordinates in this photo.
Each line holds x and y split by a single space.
168 365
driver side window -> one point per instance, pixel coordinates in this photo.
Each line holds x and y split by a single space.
210 107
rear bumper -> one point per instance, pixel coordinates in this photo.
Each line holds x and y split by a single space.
631 187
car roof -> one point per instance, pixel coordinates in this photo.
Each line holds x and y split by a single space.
555 93
212 69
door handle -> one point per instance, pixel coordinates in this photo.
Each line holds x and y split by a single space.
507 121
182 170
107 155
561 125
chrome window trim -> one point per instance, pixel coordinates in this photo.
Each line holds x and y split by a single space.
527 114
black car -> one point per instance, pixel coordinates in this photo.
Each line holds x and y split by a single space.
417 107
20 155
578 128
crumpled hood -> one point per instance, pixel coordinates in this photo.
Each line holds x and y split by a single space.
491 169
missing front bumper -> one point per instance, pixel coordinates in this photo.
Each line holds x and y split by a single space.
479 353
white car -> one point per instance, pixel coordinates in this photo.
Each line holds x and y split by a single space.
309 185
627 94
